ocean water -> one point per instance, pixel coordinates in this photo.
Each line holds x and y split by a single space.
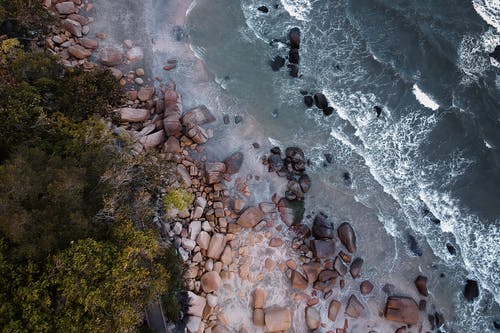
428 169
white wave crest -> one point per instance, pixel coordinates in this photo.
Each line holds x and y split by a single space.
424 99
489 10
299 9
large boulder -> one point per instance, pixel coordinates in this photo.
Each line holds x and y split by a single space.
89 43
312 271
153 140
347 236
133 115
233 163
333 310
74 27
322 228
66 7
313 319
298 281
278 319
216 246
291 212
210 282
214 172
250 217
198 116
354 307
294 37
471 290
356 267
172 125
402 310
79 52
198 134
320 101
421 284
196 304
110 56
323 248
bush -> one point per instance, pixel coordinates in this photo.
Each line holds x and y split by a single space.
178 198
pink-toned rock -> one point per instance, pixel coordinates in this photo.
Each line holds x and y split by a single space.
278 319
146 93
172 125
200 115
366 287
79 18
133 115
402 310
258 317
354 307
356 267
259 298
65 8
216 246
134 54
89 43
250 217
298 281
117 74
333 310
172 145
227 255
275 242
79 52
312 271
220 329
214 172
110 56
198 134
347 236
210 282
196 304
153 140
313 320
74 27
203 240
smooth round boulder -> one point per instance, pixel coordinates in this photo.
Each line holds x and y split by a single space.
210 282
471 290
294 37
347 236
320 101
308 101
366 287
356 267
421 284
278 319
313 320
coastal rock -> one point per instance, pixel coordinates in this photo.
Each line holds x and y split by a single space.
305 183
291 212
172 145
214 172
194 229
293 70
74 27
134 54
198 134
366 287
182 171
133 115
354 307
313 320
259 298
153 140
496 53
200 115
339 266
334 309
172 125
110 56
312 271
203 240
347 236
327 274
308 101
413 245
322 229
80 19
298 281
65 8
196 304
277 63
146 93
294 37
325 286
216 246
401 309
275 242
356 267
89 43
250 217
220 329
79 52
293 56
263 9
328 111
193 324
320 101
233 163
323 248
471 290
210 282
275 162
258 317
278 319
227 255
421 284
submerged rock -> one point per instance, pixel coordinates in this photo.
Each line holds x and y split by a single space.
313 320
471 290
250 217
277 63
263 9
278 319
334 309
291 212
233 163
321 228
320 101
356 267
413 245
308 101
294 37
496 53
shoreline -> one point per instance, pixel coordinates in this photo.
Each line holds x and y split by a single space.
218 146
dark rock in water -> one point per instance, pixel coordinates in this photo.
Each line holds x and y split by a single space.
294 37
294 187
347 177
277 63
275 162
320 101
496 53
302 231
413 246
303 92
233 163
471 290
238 119
263 9
422 305
329 157
402 310
432 321
323 248
178 33
439 319
321 228
276 150
274 113
378 110
328 111
305 183
291 212
339 266
256 145
421 284
289 195
295 154
294 70
356 267
451 249
365 287
388 288
431 216
354 307
293 56
347 236
496 324
308 101
225 119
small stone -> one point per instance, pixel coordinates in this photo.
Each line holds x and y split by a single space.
313 320
366 287
139 72
275 242
210 282
127 43
421 284
139 81
354 307
333 310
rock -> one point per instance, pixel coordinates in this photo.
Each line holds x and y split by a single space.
378 110
210 282
238 205
298 281
471 290
305 183
233 163
275 162
347 236
146 93
278 319
212 300
313 320
333 310
267 207
139 72
327 274
413 246
259 298
172 125
258 317
194 229
277 63
402 310
356 267
117 74
293 56
451 249
225 119
80 19
89 43
200 115
133 115
127 43
322 229
250 217
172 145
227 255
308 101
196 304
323 248
328 111
320 101
219 329
65 8
291 212
134 54
110 56
275 242
421 284
182 171
354 307
366 287
214 172
263 9
74 27
198 134
496 53
139 81
216 246
203 240
153 140
193 324
238 119
293 70
422 305
79 52
294 37
312 271
188 244
339 266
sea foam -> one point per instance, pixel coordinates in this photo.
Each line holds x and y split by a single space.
424 99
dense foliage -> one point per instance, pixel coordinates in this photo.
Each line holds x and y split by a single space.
77 249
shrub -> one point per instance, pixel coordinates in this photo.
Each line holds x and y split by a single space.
178 198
